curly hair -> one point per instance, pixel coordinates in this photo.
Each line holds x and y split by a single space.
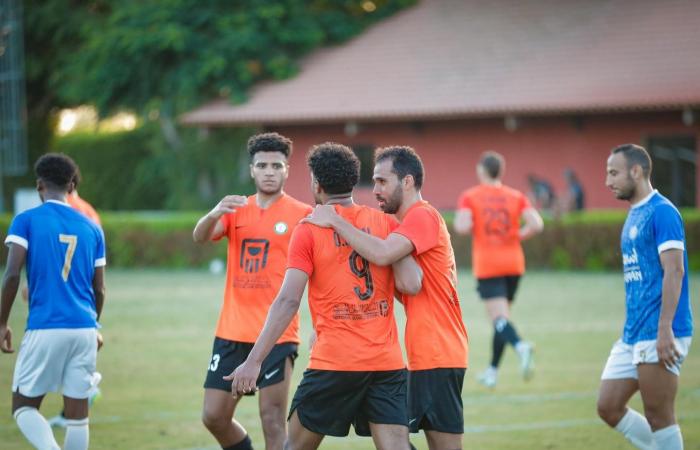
405 161
269 142
334 166
56 169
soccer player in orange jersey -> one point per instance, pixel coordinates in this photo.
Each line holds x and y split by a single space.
258 229
356 372
492 213
81 205
436 338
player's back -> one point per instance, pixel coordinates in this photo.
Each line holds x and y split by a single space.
63 249
496 211
351 300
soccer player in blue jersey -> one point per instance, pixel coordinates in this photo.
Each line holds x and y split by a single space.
64 252
659 323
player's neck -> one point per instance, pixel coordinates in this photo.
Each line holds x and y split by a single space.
641 192
54 195
339 199
408 201
491 182
265 200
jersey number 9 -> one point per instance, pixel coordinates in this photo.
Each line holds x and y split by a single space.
360 267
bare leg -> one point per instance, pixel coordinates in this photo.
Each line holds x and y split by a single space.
299 437
443 441
273 410
217 416
658 388
613 397
389 437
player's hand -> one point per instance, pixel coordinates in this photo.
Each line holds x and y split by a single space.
321 216
100 341
244 378
6 339
666 349
228 204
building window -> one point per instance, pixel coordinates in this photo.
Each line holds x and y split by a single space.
365 153
674 165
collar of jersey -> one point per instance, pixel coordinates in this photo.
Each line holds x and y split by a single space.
58 203
646 199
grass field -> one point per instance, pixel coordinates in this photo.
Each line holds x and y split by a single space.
158 329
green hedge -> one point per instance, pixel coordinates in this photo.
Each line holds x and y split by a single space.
586 241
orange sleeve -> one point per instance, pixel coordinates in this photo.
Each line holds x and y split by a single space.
421 228
464 201
225 220
524 202
301 250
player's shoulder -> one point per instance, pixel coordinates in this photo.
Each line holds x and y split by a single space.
294 206
663 206
512 192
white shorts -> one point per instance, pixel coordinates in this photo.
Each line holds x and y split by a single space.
56 359
624 358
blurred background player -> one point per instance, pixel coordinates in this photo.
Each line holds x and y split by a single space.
658 320
492 212
77 202
436 338
258 229
65 257
356 371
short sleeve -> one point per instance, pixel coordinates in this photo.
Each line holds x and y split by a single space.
301 250
19 231
524 202
464 202
100 250
228 221
421 228
668 229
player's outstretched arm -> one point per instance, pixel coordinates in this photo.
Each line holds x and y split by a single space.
209 226
533 224
672 263
463 221
408 275
280 315
381 252
10 284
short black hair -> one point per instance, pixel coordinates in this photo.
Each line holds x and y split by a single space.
335 167
405 161
493 163
635 154
56 169
269 142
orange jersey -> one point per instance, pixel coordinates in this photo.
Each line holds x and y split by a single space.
435 333
84 207
258 240
351 301
496 211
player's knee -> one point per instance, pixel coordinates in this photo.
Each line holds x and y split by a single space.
659 417
272 418
609 412
214 421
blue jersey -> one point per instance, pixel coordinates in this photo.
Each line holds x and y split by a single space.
63 249
653 225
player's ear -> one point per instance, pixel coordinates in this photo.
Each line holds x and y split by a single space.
251 171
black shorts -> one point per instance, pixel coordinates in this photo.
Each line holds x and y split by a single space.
435 400
328 401
505 286
227 355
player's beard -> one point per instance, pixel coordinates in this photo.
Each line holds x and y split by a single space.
627 191
393 203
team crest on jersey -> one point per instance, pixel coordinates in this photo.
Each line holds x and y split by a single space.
281 227
634 231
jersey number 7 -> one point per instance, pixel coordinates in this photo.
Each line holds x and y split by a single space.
72 241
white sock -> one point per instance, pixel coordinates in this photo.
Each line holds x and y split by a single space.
669 438
521 347
35 428
636 429
77 434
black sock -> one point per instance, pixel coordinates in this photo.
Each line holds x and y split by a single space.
506 330
245 444
499 344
